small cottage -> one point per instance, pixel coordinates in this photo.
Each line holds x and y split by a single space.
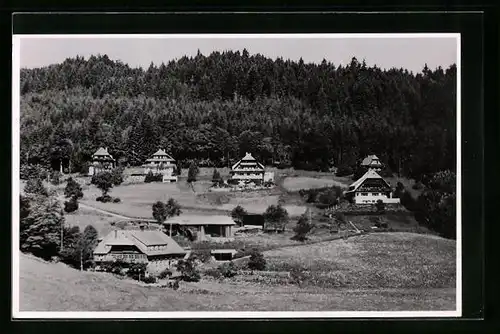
247 170
101 161
153 247
370 188
205 228
161 163
223 254
372 162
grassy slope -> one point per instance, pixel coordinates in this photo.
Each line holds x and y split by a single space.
55 287
378 260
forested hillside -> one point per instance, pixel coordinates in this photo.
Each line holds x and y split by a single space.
309 116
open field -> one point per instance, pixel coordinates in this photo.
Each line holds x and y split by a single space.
84 217
378 272
377 260
137 199
302 182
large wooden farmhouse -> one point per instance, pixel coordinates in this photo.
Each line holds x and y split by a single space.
153 247
161 163
214 228
247 170
372 162
370 188
101 161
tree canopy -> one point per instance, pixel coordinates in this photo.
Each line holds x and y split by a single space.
217 107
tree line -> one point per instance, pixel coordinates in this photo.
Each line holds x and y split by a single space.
215 108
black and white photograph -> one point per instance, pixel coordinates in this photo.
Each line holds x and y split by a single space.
236 175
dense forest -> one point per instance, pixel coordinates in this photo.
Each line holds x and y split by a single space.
215 108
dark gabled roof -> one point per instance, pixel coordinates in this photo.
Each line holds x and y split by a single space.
248 158
371 174
140 239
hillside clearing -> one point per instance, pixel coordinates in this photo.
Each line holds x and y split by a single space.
56 287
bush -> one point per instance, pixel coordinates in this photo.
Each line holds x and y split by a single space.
302 228
116 200
73 189
117 175
71 205
150 177
228 270
257 261
104 199
148 279
55 178
29 171
137 271
213 272
165 274
380 205
188 270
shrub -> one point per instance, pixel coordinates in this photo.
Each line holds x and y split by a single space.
104 199
228 270
302 228
137 271
55 178
116 200
213 272
71 205
30 171
165 274
188 270
237 214
380 205
148 279
257 261
73 189
150 177
117 175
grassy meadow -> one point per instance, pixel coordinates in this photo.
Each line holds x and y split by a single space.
376 272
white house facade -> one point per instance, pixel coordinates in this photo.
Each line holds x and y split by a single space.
370 188
247 170
101 161
161 163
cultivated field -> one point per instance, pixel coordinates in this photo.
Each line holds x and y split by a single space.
378 272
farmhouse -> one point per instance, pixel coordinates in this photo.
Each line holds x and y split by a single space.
161 163
206 228
369 188
101 161
155 248
247 170
372 162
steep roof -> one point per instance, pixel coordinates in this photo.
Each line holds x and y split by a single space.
248 157
371 174
142 240
369 159
192 220
102 151
159 153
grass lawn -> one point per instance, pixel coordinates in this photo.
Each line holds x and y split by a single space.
84 217
137 199
376 260
303 182
56 287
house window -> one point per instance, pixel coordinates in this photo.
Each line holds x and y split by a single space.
364 194
375 194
